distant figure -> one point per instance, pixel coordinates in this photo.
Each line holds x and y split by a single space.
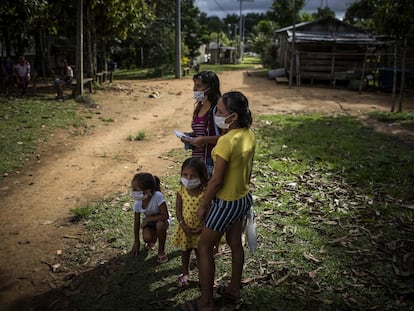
22 73
197 67
65 78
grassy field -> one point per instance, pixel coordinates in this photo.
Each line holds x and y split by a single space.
334 207
132 74
334 203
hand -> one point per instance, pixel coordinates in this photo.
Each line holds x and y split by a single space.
202 213
186 229
197 141
135 249
197 230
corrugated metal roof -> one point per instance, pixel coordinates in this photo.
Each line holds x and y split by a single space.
342 37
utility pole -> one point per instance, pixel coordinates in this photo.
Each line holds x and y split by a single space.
178 40
293 55
241 28
79 49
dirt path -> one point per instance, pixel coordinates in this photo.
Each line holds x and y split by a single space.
74 169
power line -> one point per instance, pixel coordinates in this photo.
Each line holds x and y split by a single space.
219 6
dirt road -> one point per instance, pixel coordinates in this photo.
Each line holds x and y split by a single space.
70 170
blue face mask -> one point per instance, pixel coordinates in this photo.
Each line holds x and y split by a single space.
138 195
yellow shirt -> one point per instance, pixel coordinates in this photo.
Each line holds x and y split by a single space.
237 148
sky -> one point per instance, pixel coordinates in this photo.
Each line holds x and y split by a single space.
221 8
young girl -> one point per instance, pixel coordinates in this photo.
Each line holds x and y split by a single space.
229 190
191 192
205 133
151 202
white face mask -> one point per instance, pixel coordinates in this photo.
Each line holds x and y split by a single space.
190 183
221 122
139 195
199 95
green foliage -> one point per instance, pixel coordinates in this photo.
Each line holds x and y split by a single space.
325 12
25 122
403 118
394 17
283 11
138 137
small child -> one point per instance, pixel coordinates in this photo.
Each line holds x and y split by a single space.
190 194
151 202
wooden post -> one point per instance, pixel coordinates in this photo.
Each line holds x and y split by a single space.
361 82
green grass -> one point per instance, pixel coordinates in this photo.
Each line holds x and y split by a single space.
334 206
137 74
25 122
403 118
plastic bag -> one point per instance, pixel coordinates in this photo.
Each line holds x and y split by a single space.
250 231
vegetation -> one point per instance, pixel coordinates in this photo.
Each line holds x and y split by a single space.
335 223
141 34
25 123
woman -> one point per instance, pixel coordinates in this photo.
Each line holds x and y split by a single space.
228 188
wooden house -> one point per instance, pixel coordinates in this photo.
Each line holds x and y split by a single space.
327 49
221 54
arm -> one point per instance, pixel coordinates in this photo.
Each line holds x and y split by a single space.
214 185
162 216
179 214
137 222
203 140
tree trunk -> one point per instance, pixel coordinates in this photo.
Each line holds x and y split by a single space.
394 78
89 62
404 56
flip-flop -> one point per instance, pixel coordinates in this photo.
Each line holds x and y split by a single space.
193 305
221 290
162 258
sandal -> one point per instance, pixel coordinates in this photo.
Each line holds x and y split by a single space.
183 280
221 290
192 305
162 258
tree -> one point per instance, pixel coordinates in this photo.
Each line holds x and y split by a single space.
360 14
192 31
325 12
395 19
284 10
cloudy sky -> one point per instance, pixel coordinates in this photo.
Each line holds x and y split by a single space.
221 8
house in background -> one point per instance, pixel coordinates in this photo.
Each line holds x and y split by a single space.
220 54
327 49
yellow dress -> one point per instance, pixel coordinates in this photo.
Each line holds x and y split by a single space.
190 205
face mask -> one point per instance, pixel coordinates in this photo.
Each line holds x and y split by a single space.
221 122
139 195
199 95
190 184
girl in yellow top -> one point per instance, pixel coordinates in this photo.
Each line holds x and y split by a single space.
228 188
190 194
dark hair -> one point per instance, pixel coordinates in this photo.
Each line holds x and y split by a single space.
147 181
237 102
211 79
213 93
199 166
